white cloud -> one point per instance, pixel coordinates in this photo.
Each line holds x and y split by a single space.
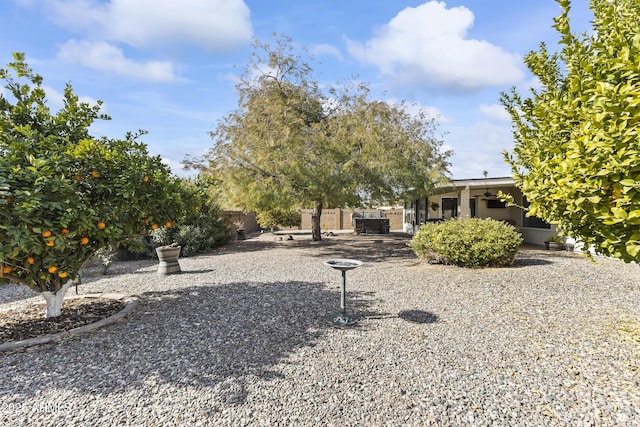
414 108
428 44
105 57
328 50
495 112
231 77
217 25
431 112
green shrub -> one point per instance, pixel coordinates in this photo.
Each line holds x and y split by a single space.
470 243
270 219
193 239
136 249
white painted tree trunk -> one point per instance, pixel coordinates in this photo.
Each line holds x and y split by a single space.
54 300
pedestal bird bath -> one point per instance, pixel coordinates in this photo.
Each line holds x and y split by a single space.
343 265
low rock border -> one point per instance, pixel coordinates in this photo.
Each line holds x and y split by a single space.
130 304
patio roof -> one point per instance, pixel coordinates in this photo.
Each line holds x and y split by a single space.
475 183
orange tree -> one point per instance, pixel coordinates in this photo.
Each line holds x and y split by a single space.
65 194
577 151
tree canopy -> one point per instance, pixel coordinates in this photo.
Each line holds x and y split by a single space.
65 194
577 153
295 143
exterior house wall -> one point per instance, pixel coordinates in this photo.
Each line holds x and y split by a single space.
537 236
511 214
531 235
475 189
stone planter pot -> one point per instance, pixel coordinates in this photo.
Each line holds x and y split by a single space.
168 256
555 246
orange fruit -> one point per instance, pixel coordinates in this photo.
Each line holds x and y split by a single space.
145 179
101 225
53 269
154 226
46 234
95 174
84 240
167 224
63 274
77 177
51 243
31 260
6 269
64 231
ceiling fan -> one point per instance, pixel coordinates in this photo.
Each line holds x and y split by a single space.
487 194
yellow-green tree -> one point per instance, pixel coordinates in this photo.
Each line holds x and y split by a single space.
65 194
295 143
273 218
577 153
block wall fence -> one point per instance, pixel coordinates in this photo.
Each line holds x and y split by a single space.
331 219
340 219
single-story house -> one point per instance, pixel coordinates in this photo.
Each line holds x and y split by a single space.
476 198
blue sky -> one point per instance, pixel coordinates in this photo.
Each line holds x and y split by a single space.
169 66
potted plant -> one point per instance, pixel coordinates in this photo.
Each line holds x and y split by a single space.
555 243
240 230
168 256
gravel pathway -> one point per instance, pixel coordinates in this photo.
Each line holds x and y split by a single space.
243 337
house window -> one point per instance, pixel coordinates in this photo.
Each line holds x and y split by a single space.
496 204
449 207
532 221
472 206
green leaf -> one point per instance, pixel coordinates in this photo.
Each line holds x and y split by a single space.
633 248
619 212
594 199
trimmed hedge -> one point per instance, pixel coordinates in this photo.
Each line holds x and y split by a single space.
470 243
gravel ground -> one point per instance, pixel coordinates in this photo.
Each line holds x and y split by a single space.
243 337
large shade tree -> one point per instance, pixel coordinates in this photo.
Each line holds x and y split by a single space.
577 153
65 194
294 143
